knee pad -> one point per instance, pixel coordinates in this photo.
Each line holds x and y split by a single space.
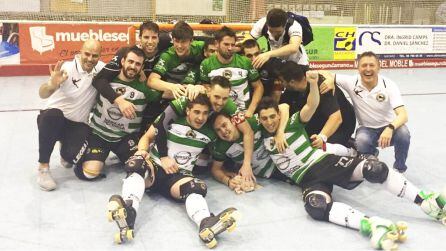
375 171
85 174
318 205
193 186
137 164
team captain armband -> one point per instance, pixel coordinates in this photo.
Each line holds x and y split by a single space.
238 118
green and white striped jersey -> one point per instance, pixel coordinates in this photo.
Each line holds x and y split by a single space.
186 70
184 143
239 71
262 164
299 156
109 123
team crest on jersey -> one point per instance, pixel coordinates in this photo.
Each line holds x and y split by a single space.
182 157
227 74
120 90
191 134
380 97
131 142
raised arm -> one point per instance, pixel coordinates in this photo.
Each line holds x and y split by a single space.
313 98
57 77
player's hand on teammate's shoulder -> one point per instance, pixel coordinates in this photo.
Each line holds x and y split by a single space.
260 60
178 90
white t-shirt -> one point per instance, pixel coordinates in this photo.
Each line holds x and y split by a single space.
295 29
76 96
373 108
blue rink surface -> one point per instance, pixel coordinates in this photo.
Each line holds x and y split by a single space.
73 217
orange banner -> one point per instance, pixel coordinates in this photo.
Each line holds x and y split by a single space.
46 43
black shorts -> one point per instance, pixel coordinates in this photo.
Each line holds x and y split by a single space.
98 148
332 170
164 182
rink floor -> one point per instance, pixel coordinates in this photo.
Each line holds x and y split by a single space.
73 216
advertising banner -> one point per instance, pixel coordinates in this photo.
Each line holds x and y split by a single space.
407 41
47 43
332 43
397 47
9 44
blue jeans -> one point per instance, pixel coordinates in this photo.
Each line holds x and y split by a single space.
367 141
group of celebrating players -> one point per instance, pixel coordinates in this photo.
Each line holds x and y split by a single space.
174 103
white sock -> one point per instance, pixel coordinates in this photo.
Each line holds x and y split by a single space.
340 150
133 189
398 185
197 208
395 183
344 215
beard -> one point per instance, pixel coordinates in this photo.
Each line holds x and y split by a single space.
226 55
130 75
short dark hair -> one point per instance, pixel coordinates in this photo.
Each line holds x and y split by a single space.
249 43
368 54
208 41
223 32
291 70
216 114
182 31
149 25
266 103
276 18
221 81
201 99
139 52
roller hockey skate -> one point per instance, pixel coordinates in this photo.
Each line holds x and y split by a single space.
212 226
434 205
384 233
124 215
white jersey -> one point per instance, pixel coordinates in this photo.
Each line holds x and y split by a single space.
295 29
374 108
185 143
76 96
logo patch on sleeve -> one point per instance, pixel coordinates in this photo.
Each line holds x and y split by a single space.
238 118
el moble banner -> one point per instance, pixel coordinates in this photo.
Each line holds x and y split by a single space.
47 43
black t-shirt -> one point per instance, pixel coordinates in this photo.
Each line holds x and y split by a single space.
268 72
328 105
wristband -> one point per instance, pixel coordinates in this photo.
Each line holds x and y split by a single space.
323 137
391 126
